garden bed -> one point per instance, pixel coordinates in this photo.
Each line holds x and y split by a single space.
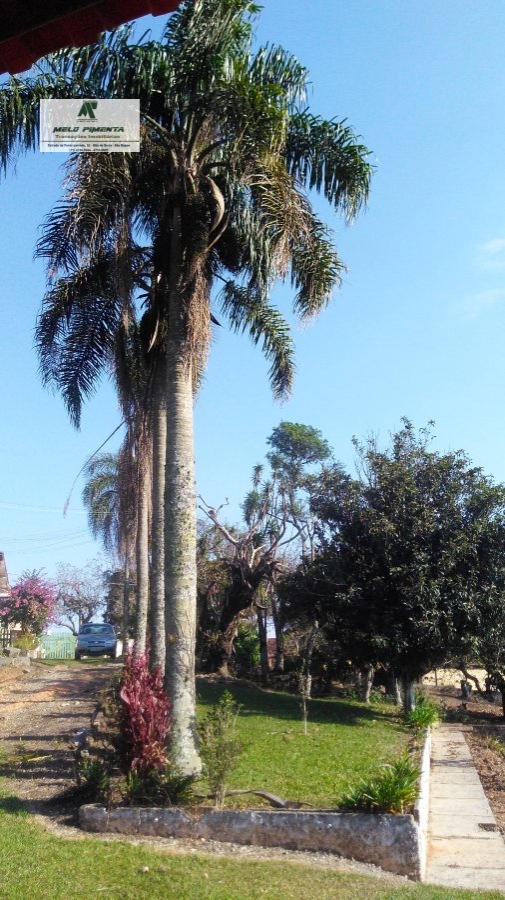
395 843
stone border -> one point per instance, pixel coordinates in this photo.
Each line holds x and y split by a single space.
394 843
391 842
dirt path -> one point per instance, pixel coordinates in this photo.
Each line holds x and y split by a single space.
40 713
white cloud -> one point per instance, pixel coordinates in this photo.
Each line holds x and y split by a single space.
491 255
475 304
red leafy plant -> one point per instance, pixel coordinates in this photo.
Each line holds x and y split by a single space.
144 717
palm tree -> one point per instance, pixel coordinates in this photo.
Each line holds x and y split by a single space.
109 497
218 194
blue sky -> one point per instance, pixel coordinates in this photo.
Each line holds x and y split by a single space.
417 329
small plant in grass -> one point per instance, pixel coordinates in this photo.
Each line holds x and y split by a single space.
425 713
391 790
493 743
219 745
93 779
350 694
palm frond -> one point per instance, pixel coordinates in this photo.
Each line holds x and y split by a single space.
316 269
92 213
75 334
326 156
19 114
275 66
247 311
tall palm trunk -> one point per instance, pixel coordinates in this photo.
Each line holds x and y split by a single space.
159 432
126 602
142 555
180 528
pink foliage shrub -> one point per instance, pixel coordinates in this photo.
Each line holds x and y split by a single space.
144 718
31 603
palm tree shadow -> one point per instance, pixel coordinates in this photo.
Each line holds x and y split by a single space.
254 701
12 806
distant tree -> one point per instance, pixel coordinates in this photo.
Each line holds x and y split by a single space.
80 595
298 452
277 523
31 603
402 576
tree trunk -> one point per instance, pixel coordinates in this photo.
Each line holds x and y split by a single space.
279 637
159 432
367 684
142 557
224 650
408 694
263 639
126 604
393 689
180 534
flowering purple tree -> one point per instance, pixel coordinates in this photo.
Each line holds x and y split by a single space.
31 603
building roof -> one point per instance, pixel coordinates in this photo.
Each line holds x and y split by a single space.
30 28
4 578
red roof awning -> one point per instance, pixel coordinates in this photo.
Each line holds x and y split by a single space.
31 28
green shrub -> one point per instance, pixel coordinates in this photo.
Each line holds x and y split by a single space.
350 694
93 779
154 788
393 788
425 713
26 642
219 745
247 650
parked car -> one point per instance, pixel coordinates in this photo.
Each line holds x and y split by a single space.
96 639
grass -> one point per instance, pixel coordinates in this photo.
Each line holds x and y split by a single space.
89 661
345 740
37 864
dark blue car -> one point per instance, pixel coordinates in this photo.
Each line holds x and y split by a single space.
96 640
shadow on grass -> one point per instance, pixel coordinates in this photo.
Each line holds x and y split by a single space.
12 806
255 701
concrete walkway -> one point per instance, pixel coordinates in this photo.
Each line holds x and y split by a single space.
465 848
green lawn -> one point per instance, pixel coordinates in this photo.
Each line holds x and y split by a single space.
345 740
37 864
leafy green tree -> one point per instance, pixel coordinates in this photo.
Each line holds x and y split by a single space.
218 194
403 577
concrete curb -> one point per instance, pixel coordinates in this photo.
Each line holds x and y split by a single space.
394 843
391 842
421 809
15 661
